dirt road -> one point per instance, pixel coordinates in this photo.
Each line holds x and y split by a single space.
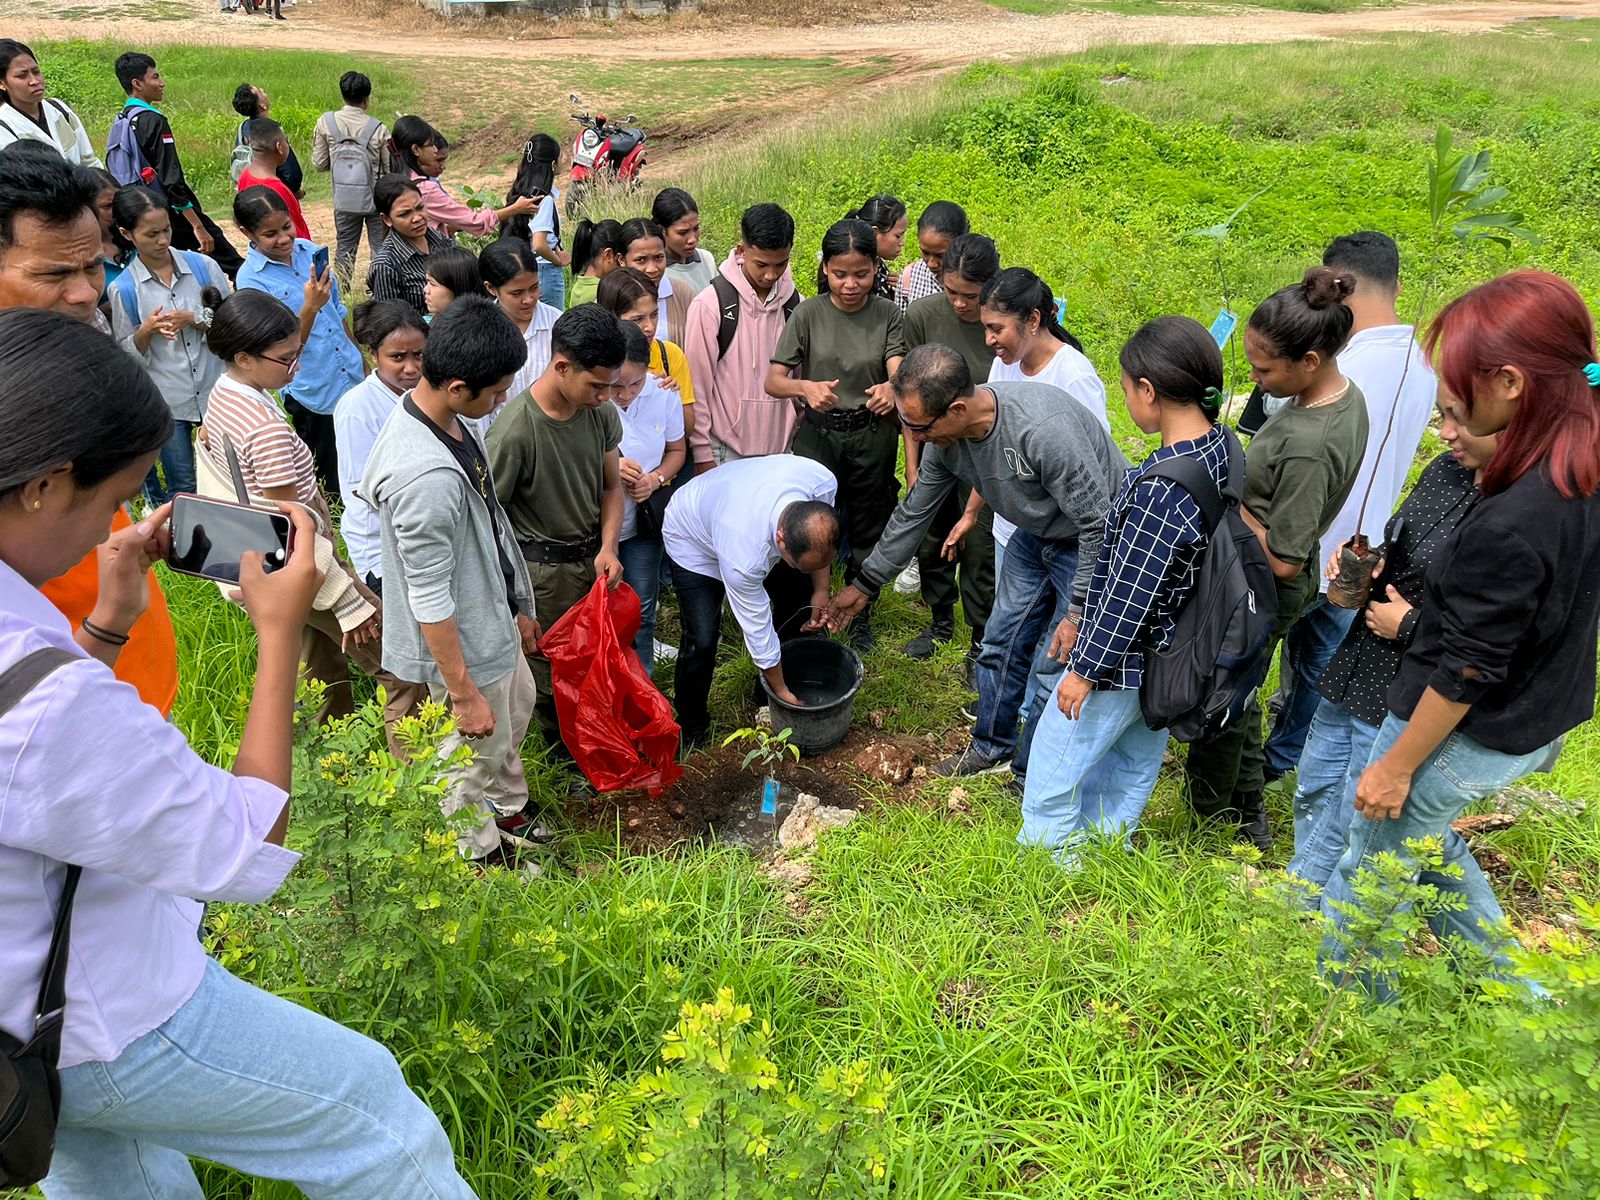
965 31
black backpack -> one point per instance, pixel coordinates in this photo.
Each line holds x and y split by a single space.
728 306
1215 660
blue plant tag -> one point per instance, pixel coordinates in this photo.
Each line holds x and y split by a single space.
769 798
1222 328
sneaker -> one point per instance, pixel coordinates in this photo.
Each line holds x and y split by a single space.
969 761
663 651
969 710
939 631
524 826
909 581
860 636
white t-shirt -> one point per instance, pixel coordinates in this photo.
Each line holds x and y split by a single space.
544 219
1374 361
1074 374
654 419
358 418
724 524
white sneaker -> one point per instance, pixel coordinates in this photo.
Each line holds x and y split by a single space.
909 582
664 651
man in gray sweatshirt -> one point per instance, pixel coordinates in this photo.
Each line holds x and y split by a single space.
458 606
1043 461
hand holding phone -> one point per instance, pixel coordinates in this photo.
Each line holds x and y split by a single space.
211 537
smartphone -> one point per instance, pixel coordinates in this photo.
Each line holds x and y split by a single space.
209 537
319 262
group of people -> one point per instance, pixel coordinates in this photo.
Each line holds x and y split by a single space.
507 427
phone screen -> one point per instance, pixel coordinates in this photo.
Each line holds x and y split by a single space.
209 537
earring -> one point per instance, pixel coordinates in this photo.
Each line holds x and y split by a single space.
37 505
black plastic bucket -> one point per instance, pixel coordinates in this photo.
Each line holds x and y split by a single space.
825 675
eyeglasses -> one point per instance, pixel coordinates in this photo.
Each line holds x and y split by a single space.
292 365
912 427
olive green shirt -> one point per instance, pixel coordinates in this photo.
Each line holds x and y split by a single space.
820 343
1300 469
550 475
932 320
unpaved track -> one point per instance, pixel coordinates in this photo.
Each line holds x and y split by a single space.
971 33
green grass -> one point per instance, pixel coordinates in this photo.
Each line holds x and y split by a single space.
1145 8
1127 1031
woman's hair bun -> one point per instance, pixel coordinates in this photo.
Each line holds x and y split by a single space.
1324 286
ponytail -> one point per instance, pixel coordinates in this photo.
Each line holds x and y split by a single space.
1018 292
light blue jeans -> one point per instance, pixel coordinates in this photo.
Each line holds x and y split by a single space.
1452 777
243 1078
1092 775
552 285
641 570
1337 749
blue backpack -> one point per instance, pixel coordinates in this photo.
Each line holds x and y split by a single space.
127 290
125 159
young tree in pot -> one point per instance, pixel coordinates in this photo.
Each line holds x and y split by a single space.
1460 202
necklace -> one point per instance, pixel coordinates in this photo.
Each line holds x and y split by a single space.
1333 399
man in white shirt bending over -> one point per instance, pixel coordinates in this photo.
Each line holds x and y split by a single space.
1385 362
764 532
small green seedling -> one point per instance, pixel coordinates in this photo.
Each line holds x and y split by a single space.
770 748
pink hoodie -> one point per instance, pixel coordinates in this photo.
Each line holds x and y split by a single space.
731 401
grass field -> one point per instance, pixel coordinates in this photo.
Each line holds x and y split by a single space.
1146 1027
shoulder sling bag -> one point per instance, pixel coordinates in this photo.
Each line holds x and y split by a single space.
30 1088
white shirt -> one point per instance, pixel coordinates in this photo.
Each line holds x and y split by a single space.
544 219
653 419
537 337
663 294
357 420
1374 360
90 774
724 524
66 136
1074 374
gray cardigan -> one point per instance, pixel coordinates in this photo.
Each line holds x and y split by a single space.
439 557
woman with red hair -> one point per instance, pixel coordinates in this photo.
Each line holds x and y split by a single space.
1502 664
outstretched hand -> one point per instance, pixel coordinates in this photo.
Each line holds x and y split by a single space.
844 606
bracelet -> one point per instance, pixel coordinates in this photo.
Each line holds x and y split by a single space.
104 635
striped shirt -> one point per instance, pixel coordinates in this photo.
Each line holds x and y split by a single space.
1146 568
271 454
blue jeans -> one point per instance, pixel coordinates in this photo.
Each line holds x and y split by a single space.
1031 597
552 285
176 464
641 570
1452 777
1337 750
243 1078
1308 647
1092 775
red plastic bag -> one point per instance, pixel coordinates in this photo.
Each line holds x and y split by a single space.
615 721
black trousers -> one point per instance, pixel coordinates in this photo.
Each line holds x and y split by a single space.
863 461
975 559
700 614
316 431
223 252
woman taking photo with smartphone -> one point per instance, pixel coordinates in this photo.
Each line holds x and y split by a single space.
163 1053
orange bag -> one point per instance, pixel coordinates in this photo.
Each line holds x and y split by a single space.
615 721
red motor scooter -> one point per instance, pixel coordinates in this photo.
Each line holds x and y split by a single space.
603 153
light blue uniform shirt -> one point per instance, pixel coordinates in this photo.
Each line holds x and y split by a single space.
330 364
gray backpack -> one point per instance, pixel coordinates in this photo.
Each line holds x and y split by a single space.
350 162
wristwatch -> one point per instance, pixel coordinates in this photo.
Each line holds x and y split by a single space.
661 480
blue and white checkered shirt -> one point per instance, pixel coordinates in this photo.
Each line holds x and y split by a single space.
1146 568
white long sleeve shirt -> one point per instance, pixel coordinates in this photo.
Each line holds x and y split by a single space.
725 523
357 421
1374 359
89 774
